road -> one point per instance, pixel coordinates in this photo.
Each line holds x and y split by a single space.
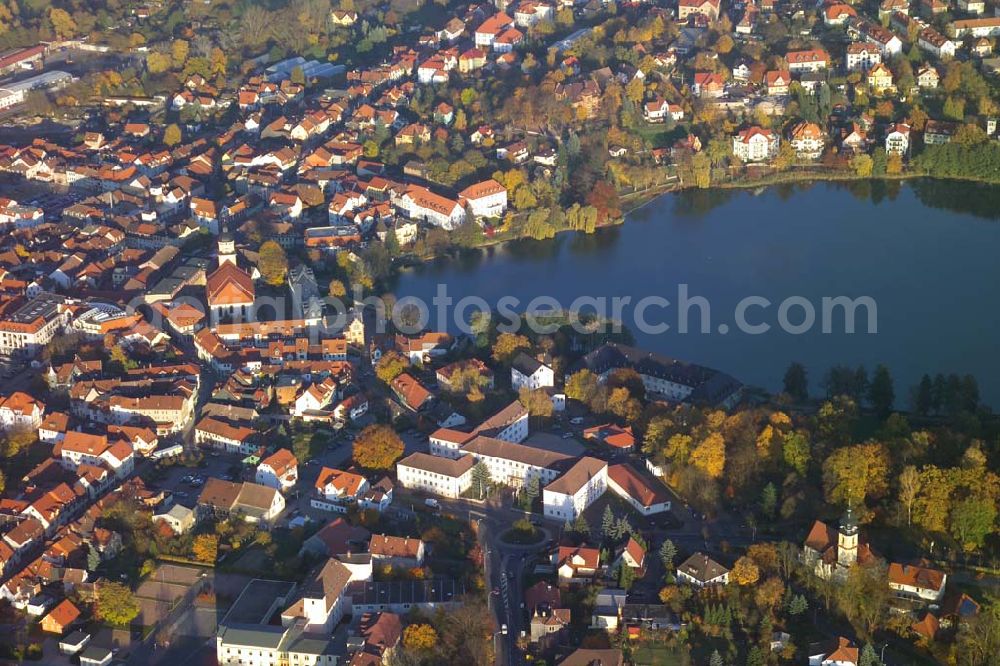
506 564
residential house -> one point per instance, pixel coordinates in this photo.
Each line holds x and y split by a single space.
897 139
254 502
928 77
410 392
701 570
807 139
756 144
862 56
917 581
179 518
837 652
280 471
607 610
811 60
60 618
612 435
531 373
576 563
707 8
879 79
777 82
405 552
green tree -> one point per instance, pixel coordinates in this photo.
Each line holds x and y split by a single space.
862 165
868 656
755 657
769 500
923 401
116 605
881 393
972 520
796 382
530 492
668 552
93 558
626 576
581 526
797 605
607 522
481 479
273 263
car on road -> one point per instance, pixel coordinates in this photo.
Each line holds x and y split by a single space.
576 420
503 629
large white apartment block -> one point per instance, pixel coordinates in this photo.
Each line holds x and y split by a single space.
568 496
513 464
422 204
436 475
32 326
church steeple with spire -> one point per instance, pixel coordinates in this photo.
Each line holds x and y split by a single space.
847 542
227 248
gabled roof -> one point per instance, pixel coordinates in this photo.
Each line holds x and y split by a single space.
393 546
702 568
229 285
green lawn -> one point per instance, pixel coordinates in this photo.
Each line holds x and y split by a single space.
651 654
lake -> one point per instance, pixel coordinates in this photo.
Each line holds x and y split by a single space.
924 251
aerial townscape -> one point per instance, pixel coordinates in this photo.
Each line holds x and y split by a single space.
226 438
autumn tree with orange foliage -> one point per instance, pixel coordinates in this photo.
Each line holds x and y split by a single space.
378 447
421 637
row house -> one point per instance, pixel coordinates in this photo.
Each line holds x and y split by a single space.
812 60
232 438
78 448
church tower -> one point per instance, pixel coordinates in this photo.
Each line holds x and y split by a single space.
847 541
227 248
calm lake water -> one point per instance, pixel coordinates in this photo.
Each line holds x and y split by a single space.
926 252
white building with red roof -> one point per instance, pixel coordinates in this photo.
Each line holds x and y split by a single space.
485 199
756 144
20 410
338 485
419 203
280 471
